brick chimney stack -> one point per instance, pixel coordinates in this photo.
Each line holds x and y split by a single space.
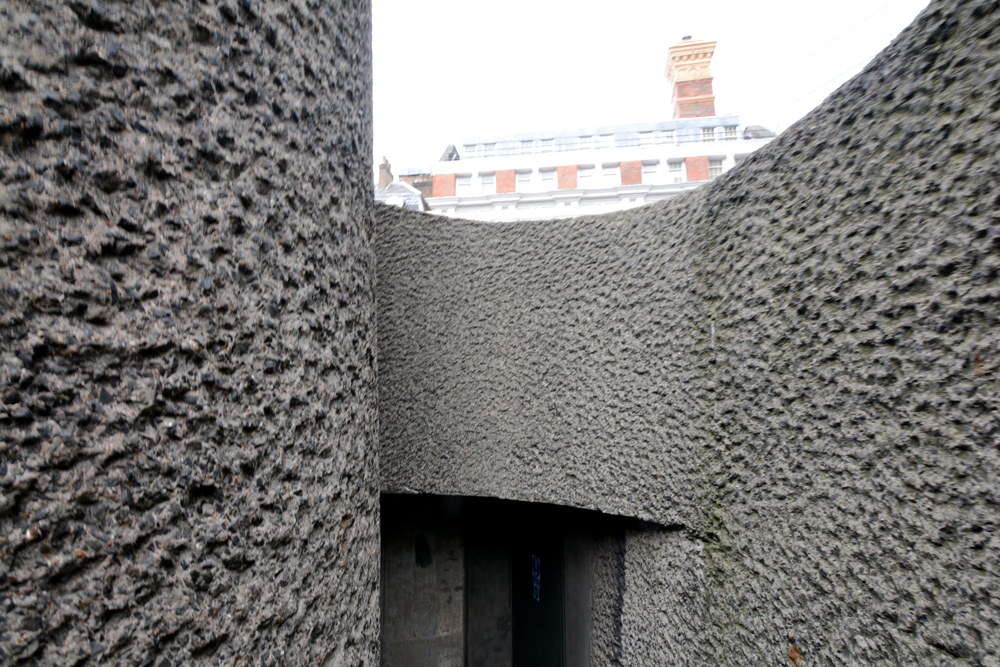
384 173
689 74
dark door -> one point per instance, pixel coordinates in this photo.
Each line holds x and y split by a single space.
537 596
487 600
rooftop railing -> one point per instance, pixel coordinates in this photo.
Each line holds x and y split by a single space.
514 151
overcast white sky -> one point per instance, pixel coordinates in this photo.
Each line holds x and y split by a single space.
449 69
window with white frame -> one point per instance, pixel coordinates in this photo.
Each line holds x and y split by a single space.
527 147
488 184
612 176
648 173
646 138
523 181
489 150
549 179
470 151
463 185
708 134
676 170
665 137
548 145
585 177
714 168
730 133
607 141
586 142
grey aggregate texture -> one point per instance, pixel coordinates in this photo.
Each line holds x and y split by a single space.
607 603
794 368
188 440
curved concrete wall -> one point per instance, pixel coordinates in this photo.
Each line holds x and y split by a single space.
797 363
188 464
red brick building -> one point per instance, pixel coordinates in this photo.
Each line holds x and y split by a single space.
597 169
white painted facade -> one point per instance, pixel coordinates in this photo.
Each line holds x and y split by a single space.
597 153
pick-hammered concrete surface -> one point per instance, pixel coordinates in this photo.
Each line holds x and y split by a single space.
188 453
795 367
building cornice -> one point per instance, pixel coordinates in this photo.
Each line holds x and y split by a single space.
689 61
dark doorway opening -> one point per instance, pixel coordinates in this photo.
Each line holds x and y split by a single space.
481 582
537 598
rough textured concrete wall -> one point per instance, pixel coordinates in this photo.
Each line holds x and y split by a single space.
666 608
552 362
187 445
796 363
607 599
